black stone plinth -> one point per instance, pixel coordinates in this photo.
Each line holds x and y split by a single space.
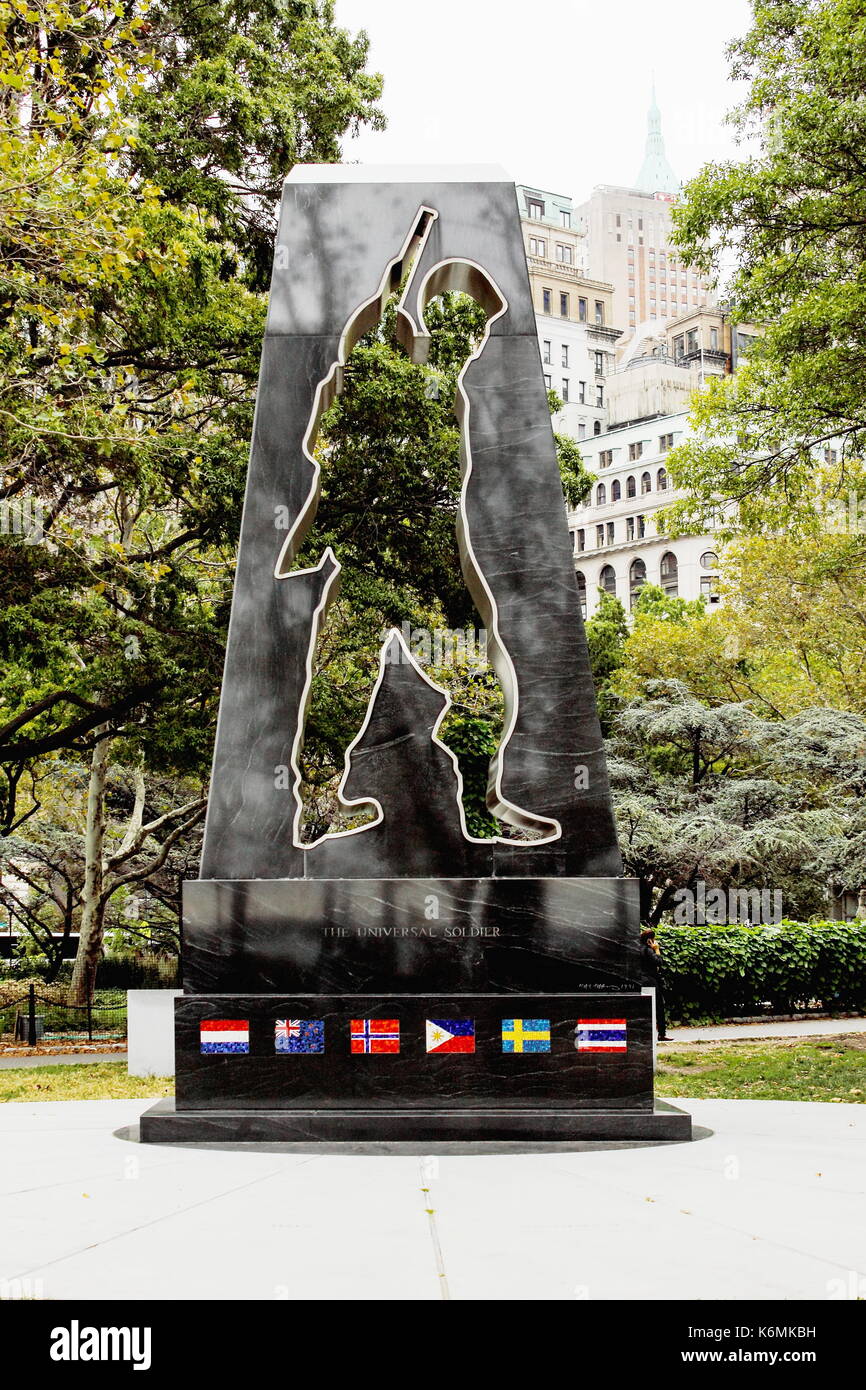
550 1074
164 1123
361 935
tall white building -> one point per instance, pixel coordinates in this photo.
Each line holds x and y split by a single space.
627 241
618 543
573 314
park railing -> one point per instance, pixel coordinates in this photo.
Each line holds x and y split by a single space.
37 1018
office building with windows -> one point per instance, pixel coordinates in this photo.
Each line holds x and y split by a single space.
627 238
618 538
619 543
574 314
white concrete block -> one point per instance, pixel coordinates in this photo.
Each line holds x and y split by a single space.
151 1031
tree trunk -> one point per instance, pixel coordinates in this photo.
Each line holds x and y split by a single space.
92 905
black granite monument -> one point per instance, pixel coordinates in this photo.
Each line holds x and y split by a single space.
405 980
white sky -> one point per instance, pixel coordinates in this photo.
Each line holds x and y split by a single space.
556 91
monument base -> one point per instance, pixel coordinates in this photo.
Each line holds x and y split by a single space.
163 1123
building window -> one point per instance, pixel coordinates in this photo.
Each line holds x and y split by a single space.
599 311
581 392
581 430
831 455
580 539
679 346
610 532
669 574
599 535
535 209
605 457
629 528
596 427
581 591
548 381
636 580
607 580
714 339
581 310
646 482
662 480
709 560
563 306
641 527
565 354
565 389
545 301
599 364
710 587
564 218
615 490
601 495
545 353
692 340
565 254
599 396
666 441
537 246
630 488
635 450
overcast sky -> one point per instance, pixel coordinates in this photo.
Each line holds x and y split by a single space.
556 91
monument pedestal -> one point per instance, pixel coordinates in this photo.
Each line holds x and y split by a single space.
164 1123
510 1011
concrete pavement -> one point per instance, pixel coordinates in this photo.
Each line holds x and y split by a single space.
769 1206
789 1028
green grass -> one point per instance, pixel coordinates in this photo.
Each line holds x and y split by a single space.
826 1069
84 1081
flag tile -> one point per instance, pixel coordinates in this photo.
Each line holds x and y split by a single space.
526 1035
299 1035
375 1035
225 1035
601 1035
450 1034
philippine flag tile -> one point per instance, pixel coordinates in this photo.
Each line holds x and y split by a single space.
225 1035
450 1034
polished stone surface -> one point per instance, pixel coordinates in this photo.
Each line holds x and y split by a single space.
164 1123
410 1078
452 934
515 527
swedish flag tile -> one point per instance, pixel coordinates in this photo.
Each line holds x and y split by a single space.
526 1035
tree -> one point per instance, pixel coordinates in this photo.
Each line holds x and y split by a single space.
606 634
131 318
737 801
789 636
787 433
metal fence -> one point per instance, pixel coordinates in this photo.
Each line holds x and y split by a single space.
37 1019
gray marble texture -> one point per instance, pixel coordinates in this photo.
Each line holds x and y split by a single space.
335 242
455 934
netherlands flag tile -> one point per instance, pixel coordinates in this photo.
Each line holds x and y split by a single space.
601 1035
225 1035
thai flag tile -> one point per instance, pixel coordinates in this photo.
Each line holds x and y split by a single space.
225 1035
601 1035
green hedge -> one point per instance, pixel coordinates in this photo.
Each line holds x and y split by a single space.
720 972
